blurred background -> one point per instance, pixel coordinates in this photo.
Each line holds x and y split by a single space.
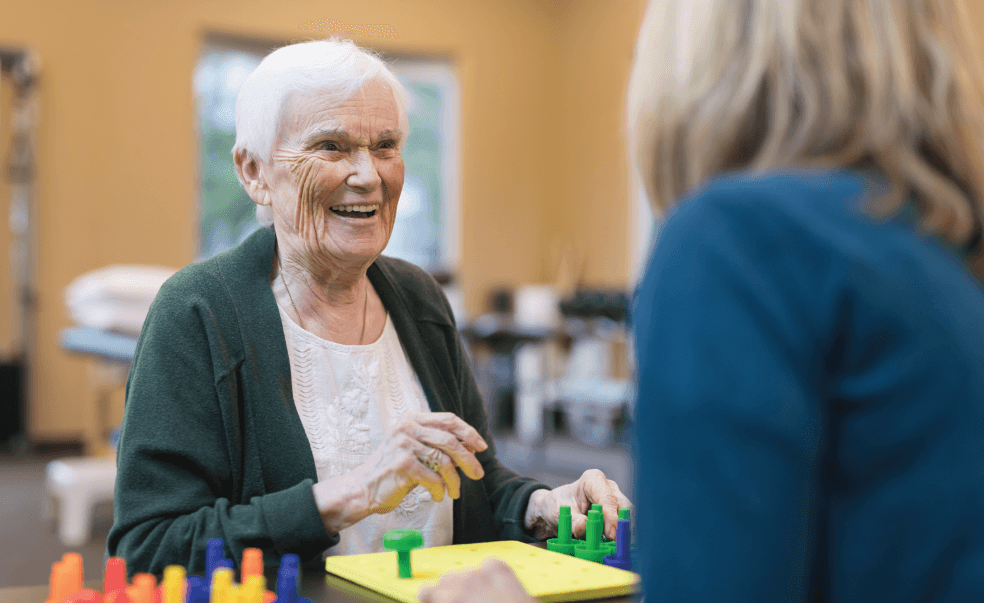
116 124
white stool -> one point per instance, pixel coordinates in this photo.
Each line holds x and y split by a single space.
78 484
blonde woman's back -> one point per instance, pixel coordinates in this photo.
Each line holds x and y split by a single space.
810 388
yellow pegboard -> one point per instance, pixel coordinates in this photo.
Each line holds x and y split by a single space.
547 575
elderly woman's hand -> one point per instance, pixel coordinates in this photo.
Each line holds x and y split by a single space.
423 449
494 582
591 487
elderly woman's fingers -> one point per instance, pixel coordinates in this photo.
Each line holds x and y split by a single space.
623 500
454 425
445 469
598 489
424 476
449 445
579 525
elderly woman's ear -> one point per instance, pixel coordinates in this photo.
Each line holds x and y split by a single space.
248 170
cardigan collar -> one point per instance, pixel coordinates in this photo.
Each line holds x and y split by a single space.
246 274
249 277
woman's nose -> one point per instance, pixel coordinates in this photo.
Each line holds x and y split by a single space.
364 176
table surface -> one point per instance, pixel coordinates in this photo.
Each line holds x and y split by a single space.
319 587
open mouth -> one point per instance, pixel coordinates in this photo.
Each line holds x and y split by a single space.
356 211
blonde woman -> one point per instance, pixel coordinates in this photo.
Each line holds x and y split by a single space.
811 327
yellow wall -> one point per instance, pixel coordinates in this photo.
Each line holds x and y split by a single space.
541 82
594 208
543 162
9 340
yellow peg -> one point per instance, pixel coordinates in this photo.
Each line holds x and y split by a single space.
222 586
253 590
174 584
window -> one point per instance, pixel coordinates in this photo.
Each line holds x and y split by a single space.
426 227
227 213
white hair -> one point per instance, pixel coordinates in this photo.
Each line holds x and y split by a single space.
334 66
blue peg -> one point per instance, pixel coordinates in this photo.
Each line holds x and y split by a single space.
622 558
197 591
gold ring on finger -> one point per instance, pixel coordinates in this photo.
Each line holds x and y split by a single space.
432 460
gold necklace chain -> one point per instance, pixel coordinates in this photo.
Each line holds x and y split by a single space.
365 303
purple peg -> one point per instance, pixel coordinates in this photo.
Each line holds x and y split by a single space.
214 551
622 558
289 580
197 591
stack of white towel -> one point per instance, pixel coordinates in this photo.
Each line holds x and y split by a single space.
116 298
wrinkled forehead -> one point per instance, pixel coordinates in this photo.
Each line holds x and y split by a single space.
370 110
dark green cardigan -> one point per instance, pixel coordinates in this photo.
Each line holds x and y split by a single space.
212 447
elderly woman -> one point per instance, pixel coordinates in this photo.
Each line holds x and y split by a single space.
810 330
302 393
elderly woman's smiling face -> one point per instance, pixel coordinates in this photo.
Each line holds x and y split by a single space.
335 178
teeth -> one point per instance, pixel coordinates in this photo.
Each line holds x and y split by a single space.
361 208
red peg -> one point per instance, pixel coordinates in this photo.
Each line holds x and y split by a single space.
114 577
116 596
85 596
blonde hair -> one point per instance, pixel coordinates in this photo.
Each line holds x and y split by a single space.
720 85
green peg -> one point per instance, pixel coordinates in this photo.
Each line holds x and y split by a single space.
592 549
564 542
403 541
595 523
624 514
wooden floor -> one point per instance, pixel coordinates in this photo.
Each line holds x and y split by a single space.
29 543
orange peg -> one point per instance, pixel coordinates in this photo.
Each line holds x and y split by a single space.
72 562
54 581
66 578
252 565
143 589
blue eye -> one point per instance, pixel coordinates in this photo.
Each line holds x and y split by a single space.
330 146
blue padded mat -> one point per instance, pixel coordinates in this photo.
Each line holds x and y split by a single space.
105 344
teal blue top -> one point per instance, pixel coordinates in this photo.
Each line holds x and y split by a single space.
212 446
811 401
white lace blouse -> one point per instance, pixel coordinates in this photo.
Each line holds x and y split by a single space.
346 396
